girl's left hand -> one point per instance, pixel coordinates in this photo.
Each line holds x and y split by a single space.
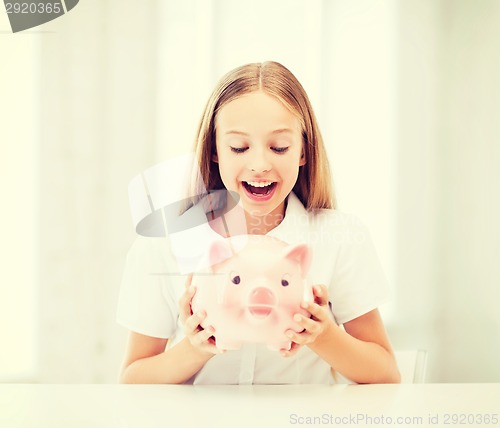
314 326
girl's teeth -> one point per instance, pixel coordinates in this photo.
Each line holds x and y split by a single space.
255 184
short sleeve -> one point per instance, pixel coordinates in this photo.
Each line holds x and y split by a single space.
358 283
147 302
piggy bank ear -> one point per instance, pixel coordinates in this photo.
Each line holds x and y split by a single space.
300 254
219 251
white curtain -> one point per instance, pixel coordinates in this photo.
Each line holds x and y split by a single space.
98 80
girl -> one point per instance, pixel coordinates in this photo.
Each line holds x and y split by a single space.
259 139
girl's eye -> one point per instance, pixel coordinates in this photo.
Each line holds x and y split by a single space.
239 149
280 149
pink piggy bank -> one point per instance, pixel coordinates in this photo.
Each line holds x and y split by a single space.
252 290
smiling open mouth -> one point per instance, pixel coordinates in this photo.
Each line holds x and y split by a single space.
259 189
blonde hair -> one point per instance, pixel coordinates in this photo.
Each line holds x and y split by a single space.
314 185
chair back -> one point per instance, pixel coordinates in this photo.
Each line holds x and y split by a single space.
412 365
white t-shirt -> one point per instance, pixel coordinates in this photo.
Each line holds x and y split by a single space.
344 259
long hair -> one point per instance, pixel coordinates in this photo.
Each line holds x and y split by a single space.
314 185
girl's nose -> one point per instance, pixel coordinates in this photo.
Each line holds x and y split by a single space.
259 163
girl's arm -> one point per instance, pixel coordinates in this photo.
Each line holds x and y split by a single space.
361 353
147 361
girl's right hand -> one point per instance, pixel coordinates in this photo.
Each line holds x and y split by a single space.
201 339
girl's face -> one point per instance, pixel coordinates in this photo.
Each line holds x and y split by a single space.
259 151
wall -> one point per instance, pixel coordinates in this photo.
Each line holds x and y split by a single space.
468 273
448 156
417 86
98 128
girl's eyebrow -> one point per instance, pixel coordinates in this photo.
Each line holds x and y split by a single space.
281 131
236 132
276 131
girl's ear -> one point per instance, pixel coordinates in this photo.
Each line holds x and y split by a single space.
215 158
302 160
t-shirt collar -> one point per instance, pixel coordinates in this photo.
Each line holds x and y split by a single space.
294 226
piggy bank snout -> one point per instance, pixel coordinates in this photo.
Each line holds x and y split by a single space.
262 296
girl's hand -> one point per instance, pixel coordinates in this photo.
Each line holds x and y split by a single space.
315 325
201 339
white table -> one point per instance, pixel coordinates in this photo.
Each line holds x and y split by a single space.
72 406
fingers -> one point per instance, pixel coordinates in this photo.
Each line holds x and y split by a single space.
187 296
318 312
193 323
200 338
185 303
311 329
292 351
313 325
320 294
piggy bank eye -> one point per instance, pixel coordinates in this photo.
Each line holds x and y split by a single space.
235 279
285 280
